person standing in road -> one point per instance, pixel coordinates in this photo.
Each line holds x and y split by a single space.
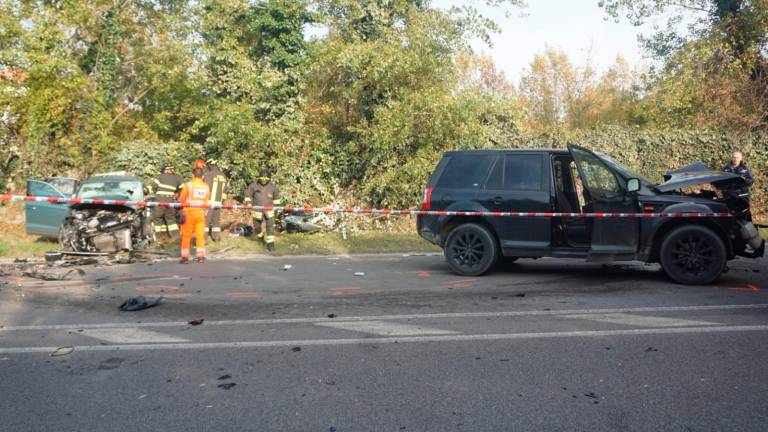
263 192
195 192
217 182
738 167
166 190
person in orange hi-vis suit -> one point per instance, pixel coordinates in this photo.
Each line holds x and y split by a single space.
194 192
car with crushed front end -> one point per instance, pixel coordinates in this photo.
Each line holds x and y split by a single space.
100 228
577 180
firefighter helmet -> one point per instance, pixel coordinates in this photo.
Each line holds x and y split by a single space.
198 164
264 176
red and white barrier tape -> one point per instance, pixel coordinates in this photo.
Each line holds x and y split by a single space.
374 212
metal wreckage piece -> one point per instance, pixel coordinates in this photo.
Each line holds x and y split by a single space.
94 228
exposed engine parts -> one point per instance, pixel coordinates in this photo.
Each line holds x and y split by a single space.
92 228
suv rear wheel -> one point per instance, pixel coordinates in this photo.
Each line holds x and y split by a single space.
693 255
471 250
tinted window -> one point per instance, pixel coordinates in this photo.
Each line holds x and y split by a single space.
496 179
465 171
523 172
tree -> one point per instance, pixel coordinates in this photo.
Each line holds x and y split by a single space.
716 71
560 94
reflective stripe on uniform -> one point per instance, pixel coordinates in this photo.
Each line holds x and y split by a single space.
270 214
164 193
216 229
270 239
257 215
173 227
260 235
159 228
214 188
277 202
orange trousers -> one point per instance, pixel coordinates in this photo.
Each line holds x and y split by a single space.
193 226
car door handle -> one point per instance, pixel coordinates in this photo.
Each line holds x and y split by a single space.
498 200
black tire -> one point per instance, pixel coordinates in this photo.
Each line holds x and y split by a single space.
693 255
471 250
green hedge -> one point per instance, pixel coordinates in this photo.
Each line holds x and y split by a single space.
396 173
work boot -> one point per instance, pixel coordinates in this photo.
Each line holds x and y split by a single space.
200 259
271 247
184 260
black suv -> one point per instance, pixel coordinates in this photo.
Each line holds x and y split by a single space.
577 180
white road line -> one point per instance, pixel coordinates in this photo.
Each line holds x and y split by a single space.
391 340
386 317
383 328
639 320
131 336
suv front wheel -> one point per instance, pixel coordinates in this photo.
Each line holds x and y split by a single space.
693 255
471 249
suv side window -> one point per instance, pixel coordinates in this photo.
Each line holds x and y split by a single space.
465 171
598 177
496 179
523 172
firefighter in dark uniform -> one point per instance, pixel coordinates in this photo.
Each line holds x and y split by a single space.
217 182
263 192
166 188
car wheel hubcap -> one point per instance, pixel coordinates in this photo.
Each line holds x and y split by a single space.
468 249
693 255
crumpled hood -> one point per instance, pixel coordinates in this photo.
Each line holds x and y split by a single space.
697 174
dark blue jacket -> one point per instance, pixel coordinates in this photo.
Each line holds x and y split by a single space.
743 172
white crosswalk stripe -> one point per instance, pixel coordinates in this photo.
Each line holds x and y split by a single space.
640 321
131 336
382 328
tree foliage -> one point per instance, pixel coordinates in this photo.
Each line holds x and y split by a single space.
714 70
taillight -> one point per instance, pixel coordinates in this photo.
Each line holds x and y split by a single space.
426 199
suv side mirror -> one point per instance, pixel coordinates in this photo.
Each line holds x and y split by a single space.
633 185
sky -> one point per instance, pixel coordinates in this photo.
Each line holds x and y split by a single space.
578 27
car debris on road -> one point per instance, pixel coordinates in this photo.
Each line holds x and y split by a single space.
138 303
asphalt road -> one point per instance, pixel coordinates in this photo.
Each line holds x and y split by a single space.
404 345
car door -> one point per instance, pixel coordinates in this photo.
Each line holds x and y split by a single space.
44 218
518 183
613 238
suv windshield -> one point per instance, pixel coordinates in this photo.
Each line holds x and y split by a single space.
624 171
113 189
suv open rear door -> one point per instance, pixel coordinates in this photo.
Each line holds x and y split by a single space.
612 238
